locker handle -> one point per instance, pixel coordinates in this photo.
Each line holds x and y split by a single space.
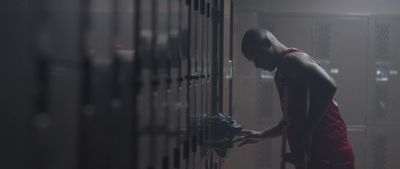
177 158
201 138
186 149
196 5
165 162
208 9
393 72
202 7
334 71
194 143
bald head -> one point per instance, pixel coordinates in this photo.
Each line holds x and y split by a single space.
252 40
261 44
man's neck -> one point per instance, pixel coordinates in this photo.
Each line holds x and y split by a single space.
279 53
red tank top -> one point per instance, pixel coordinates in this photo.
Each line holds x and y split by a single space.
329 139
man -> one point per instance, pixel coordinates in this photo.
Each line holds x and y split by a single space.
314 122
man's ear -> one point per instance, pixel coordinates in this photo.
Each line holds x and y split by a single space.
267 42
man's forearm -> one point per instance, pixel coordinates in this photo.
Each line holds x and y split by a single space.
273 131
319 103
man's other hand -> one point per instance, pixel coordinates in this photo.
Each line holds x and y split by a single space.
249 137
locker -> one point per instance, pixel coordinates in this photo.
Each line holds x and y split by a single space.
113 84
121 148
122 60
342 43
383 148
341 47
358 139
19 86
145 140
64 104
384 65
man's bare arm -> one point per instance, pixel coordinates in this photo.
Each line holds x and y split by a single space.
274 130
306 71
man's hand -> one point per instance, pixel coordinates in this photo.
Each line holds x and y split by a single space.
249 137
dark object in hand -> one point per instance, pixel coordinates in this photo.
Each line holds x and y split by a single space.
225 129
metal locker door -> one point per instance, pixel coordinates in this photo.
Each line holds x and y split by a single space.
143 44
64 82
18 85
160 75
343 41
173 93
385 37
341 46
384 92
121 41
191 139
98 121
384 150
182 160
195 83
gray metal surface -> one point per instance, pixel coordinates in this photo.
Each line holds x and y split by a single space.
384 92
111 84
347 54
384 39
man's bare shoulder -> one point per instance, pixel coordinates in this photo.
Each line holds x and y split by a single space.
298 64
298 58
296 61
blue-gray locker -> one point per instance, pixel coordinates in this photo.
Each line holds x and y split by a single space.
384 37
345 43
61 39
383 151
341 43
384 92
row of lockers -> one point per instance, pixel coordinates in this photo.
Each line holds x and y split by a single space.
112 84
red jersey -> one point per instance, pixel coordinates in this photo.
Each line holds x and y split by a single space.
330 148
